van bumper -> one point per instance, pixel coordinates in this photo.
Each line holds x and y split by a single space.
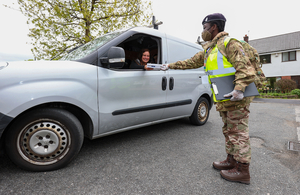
4 121
211 101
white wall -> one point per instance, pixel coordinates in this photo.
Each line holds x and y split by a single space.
278 68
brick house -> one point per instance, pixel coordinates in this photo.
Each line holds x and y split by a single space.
280 55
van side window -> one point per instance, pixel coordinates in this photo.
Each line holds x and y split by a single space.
180 51
133 45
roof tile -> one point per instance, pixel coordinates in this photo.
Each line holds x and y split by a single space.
290 41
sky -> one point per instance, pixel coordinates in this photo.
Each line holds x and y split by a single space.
182 19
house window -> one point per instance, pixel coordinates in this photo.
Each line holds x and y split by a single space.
289 56
265 59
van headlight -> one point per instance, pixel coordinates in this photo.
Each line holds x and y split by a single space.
3 65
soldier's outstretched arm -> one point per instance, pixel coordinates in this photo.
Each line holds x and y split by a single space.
196 61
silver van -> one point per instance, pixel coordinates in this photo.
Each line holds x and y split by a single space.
48 107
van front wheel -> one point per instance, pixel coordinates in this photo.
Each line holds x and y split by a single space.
44 139
201 112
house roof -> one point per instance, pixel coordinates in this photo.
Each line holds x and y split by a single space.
290 41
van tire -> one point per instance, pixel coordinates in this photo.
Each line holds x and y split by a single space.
44 139
201 112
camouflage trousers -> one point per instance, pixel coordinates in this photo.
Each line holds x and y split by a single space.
236 132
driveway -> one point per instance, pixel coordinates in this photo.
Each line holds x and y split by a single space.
280 101
172 158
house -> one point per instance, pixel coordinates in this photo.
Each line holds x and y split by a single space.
280 55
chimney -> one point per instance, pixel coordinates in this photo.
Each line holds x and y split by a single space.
246 38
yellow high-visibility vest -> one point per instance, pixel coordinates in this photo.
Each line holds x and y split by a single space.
217 65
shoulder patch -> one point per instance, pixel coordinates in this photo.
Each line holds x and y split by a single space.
243 52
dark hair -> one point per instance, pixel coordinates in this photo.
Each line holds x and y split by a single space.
220 24
141 53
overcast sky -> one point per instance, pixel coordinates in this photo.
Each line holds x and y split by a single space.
256 18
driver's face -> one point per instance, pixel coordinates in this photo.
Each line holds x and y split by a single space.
146 57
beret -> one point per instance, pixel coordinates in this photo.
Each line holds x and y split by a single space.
213 17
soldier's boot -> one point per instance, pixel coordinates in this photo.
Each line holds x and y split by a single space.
240 173
229 163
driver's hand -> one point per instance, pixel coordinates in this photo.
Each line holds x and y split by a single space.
146 68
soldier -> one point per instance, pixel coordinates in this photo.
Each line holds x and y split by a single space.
234 112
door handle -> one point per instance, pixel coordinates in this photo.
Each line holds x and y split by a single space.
171 85
164 83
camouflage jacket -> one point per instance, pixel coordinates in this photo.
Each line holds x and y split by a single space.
244 74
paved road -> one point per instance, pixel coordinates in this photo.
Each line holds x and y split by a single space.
172 158
280 101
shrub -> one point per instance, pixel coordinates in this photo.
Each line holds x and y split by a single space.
286 85
272 82
296 92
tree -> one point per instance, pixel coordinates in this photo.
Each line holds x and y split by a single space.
61 25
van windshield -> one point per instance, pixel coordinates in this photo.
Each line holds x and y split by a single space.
89 47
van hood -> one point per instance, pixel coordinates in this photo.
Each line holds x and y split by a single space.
3 65
26 71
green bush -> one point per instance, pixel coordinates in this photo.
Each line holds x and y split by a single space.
296 92
286 85
272 82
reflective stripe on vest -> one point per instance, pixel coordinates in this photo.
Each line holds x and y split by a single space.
217 65
226 41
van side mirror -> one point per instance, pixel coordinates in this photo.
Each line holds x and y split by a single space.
115 58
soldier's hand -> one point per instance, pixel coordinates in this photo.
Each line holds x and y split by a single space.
164 67
237 95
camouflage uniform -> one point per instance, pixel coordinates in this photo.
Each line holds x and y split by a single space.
234 114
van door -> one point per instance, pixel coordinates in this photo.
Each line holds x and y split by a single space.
184 86
130 98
